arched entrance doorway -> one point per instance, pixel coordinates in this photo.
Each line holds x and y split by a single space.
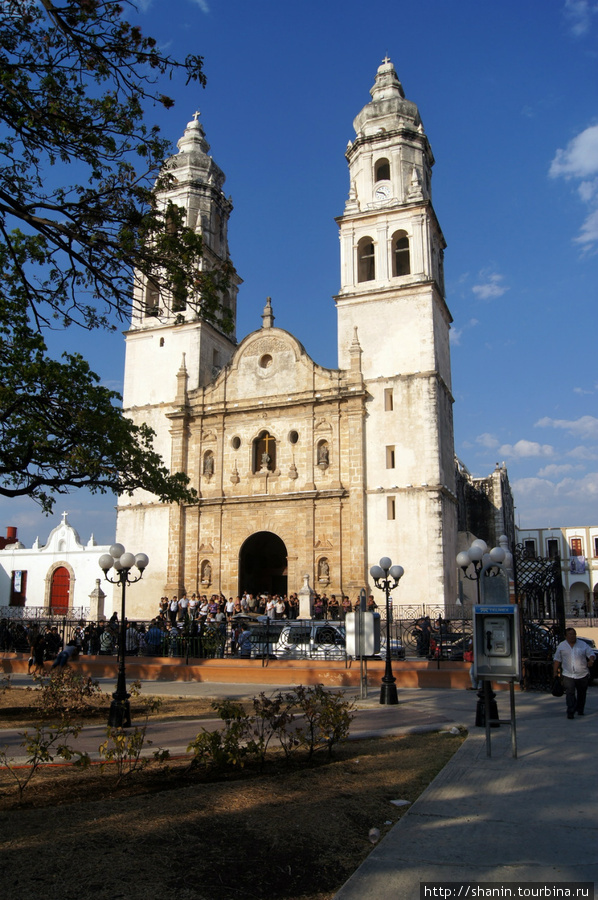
263 564
60 590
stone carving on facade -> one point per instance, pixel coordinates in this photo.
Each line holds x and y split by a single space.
235 475
293 473
208 464
414 192
323 455
265 345
206 572
323 571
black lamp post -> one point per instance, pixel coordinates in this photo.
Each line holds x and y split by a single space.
122 562
386 578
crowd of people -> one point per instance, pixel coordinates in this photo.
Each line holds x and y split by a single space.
193 624
218 609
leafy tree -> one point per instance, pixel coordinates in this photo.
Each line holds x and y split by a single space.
78 222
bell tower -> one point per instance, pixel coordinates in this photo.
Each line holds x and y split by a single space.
392 292
161 331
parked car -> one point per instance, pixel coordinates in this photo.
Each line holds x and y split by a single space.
315 639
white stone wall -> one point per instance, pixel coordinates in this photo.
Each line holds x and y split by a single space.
63 548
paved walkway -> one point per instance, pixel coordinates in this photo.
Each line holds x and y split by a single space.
498 819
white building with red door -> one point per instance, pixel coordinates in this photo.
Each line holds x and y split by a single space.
52 578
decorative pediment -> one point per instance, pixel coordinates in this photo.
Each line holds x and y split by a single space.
209 437
323 425
206 547
323 544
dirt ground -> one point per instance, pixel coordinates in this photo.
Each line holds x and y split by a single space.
287 833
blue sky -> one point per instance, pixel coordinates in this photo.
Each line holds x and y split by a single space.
508 94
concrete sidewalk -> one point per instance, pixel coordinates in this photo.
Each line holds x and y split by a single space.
498 819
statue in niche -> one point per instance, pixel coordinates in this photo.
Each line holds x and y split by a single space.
323 455
208 464
206 572
266 460
323 571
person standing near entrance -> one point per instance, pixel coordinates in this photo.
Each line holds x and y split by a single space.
574 657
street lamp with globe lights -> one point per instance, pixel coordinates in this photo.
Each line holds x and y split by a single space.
122 562
485 562
386 578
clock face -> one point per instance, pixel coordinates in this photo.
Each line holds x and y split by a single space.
382 192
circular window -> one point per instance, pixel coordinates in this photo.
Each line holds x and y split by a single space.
236 443
265 361
293 437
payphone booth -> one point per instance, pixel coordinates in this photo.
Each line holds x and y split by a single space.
496 642
497 655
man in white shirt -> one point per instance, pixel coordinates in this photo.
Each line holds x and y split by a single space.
574 657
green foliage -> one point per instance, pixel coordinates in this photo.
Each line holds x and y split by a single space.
226 748
326 716
43 745
78 224
272 718
304 720
60 430
124 749
66 692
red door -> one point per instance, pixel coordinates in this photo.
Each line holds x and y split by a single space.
59 592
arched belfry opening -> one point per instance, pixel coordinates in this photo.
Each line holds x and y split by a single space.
263 564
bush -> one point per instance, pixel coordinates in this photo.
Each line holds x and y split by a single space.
306 719
43 746
65 693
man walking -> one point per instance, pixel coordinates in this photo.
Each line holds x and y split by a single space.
574 657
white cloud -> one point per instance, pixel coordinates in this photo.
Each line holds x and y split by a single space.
203 5
553 471
585 426
579 13
589 229
524 449
490 288
487 440
582 452
456 334
568 502
579 158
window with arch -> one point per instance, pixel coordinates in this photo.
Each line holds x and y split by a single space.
401 262
382 170
366 262
264 453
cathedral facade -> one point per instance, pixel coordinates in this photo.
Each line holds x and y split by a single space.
303 470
